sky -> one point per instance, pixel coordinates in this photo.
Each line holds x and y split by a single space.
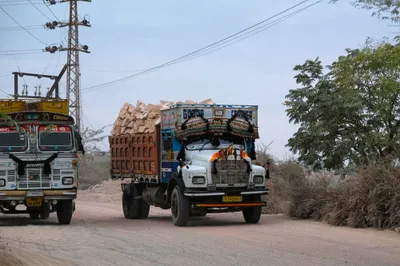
129 36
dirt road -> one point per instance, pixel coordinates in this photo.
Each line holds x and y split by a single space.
99 235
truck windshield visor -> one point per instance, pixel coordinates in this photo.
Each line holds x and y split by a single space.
13 139
206 144
55 138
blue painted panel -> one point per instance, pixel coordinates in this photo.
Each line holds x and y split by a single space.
167 168
176 144
249 145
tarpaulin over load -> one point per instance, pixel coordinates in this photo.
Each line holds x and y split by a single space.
199 119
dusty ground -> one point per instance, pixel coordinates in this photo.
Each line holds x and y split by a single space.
99 235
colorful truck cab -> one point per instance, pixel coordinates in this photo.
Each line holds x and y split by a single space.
38 159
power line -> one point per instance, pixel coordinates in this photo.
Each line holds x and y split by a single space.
213 45
51 11
34 5
254 32
11 3
116 72
61 41
19 70
21 53
52 58
23 50
239 38
31 27
6 93
22 26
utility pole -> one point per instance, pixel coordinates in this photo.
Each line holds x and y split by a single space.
37 92
73 49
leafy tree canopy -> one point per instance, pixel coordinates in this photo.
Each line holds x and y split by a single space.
384 9
351 113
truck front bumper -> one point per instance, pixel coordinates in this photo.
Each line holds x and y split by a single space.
233 192
229 200
20 195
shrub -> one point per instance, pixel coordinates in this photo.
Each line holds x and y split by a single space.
370 198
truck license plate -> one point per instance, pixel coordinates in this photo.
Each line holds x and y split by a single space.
34 202
34 193
232 198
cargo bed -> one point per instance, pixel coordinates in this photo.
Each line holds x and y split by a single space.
136 156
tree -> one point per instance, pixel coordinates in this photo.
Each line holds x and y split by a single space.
386 9
91 137
263 156
351 113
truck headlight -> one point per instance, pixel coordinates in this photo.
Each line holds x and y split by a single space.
67 180
258 179
2 182
198 180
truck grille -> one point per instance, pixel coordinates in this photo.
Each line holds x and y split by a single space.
56 175
34 178
8 174
11 176
230 172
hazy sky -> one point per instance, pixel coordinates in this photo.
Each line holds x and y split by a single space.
127 36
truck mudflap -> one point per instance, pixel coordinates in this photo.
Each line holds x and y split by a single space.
45 194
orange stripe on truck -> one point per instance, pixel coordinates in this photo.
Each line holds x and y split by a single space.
250 204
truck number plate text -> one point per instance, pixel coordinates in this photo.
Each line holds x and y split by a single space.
34 202
232 198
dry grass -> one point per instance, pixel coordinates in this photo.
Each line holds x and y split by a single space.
369 199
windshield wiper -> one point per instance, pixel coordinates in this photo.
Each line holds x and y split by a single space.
202 147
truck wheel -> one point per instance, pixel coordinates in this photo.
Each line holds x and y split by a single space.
252 215
144 209
180 207
64 211
34 215
134 208
45 211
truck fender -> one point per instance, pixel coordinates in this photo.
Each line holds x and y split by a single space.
176 180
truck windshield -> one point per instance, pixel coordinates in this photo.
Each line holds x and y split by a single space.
12 139
206 144
55 138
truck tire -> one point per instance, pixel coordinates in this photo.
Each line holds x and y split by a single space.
134 208
252 215
45 211
34 215
180 207
130 206
144 209
64 211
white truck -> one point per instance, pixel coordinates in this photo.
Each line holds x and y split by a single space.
199 160
38 159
